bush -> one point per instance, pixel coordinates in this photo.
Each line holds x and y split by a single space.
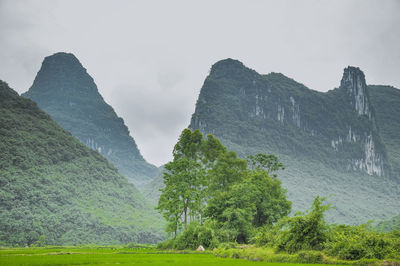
227 245
41 242
307 232
194 236
266 236
357 242
167 244
310 256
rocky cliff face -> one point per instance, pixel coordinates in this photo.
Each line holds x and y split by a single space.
386 103
65 90
354 82
334 131
341 121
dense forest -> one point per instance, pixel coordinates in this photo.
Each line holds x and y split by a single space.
55 190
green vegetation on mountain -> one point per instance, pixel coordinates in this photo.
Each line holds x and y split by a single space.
55 190
386 101
389 225
64 90
330 143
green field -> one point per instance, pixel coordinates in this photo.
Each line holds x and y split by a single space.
114 256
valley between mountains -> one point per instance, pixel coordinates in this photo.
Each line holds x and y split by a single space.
71 170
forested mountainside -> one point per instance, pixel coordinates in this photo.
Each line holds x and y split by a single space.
331 143
389 225
51 185
64 89
386 101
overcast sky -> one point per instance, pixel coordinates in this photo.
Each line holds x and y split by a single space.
149 58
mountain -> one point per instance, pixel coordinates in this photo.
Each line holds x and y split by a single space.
330 143
389 225
54 186
64 89
386 100
152 190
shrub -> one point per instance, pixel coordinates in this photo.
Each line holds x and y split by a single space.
227 245
266 236
357 242
310 256
167 244
194 236
307 232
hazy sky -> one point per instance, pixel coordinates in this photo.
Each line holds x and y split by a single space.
149 58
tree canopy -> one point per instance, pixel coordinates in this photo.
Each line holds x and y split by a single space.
206 183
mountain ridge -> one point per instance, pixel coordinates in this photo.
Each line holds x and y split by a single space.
320 136
65 90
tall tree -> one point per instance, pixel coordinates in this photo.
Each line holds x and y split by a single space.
205 181
185 182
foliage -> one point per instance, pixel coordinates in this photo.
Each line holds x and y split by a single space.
268 162
212 185
54 190
194 236
356 242
306 232
185 182
300 232
255 201
309 232
41 242
182 194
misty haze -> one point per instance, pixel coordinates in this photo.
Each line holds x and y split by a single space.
132 132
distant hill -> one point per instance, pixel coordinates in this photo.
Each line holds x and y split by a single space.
333 144
52 185
63 89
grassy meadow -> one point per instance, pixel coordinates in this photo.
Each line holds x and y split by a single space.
117 255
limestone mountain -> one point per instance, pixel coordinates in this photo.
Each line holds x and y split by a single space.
330 142
54 186
386 100
64 89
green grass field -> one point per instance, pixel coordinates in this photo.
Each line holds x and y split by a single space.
114 256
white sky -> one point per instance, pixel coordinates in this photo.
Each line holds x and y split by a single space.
149 58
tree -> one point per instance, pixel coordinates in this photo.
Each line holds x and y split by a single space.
184 181
169 203
268 197
267 162
206 181
227 171
253 201
308 231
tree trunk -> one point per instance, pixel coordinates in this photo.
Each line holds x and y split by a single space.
185 217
